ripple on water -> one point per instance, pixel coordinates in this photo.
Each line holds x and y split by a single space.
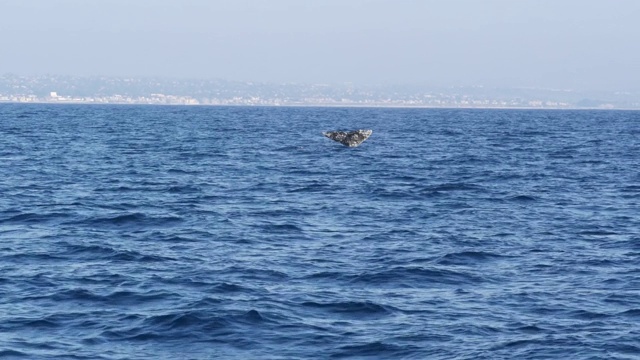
241 233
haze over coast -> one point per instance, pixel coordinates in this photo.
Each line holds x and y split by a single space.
463 53
167 91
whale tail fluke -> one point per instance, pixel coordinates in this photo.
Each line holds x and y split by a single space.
349 138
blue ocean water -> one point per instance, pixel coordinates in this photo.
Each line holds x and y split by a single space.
142 232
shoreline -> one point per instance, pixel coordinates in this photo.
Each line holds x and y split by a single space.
311 105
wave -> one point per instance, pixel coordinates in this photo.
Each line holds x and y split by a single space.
184 189
597 233
36 218
417 277
313 188
631 313
376 349
187 324
351 309
93 251
9 354
131 220
469 258
415 191
522 198
281 229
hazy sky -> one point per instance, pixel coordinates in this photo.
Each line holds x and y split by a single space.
579 44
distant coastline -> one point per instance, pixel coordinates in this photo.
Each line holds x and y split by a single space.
152 91
346 105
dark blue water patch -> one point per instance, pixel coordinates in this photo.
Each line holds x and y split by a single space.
48 323
630 348
249 273
328 276
281 228
395 234
597 232
313 187
13 354
176 239
631 189
632 313
125 298
130 221
351 310
27 257
184 321
27 114
587 315
418 192
448 187
183 325
231 288
77 296
469 258
415 276
372 350
531 329
35 218
523 198
97 252
402 194
281 212
186 189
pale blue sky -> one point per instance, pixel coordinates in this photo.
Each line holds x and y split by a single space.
578 44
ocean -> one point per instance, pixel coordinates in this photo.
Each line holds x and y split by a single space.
169 232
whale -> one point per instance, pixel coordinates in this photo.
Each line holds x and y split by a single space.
349 138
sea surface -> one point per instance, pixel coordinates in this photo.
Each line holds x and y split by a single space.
160 232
